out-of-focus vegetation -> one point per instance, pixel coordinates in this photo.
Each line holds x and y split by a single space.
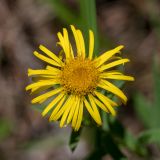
148 112
134 134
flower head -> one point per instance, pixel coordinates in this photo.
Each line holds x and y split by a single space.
75 82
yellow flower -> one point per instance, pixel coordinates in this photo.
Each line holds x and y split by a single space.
75 82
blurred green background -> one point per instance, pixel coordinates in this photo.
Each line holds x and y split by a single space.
24 24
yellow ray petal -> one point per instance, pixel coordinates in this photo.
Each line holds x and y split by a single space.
113 89
46 59
50 54
71 50
113 64
112 72
41 84
107 55
67 43
52 104
40 102
61 40
75 116
105 101
66 39
80 116
32 72
53 69
118 77
91 44
70 116
78 46
39 89
115 57
114 104
66 112
57 108
95 109
101 105
82 44
92 113
63 108
62 43
46 95
44 78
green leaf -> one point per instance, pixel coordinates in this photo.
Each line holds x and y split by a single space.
134 145
5 129
89 20
125 138
143 110
74 139
105 124
150 136
130 141
105 144
116 127
64 13
156 77
149 114
109 146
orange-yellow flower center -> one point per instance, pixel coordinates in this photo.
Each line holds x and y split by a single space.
79 76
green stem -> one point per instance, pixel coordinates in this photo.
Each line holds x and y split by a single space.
89 20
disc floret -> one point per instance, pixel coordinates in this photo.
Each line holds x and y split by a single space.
79 76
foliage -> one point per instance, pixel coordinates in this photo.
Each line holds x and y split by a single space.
5 129
74 139
64 13
149 112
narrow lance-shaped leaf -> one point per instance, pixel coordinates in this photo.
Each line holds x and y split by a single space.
143 110
150 136
74 139
156 109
